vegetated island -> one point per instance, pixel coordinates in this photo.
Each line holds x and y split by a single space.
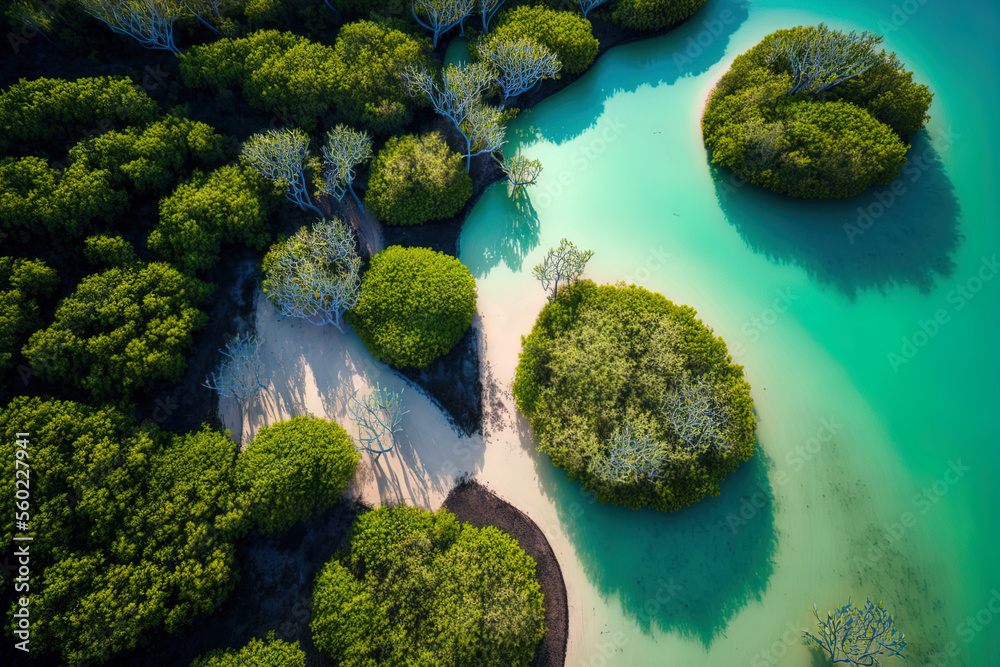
816 113
634 396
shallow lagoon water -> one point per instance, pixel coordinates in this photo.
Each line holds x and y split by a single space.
877 474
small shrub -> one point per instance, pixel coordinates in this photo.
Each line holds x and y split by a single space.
415 305
148 161
23 283
257 653
106 251
294 469
39 202
832 142
416 179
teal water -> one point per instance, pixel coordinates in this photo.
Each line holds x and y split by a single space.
867 328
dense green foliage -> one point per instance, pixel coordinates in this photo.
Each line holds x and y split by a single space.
832 144
293 469
368 61
641 15
567 34
104 173
44 109
121 330
416 179
133 528
149 161
278 72
257 653
104 251
22 284
228 205
418 588
37 201
415 305
602 357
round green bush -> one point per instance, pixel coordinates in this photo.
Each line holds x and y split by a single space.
567 34
415 305
294 469
602 362
416 179
257 653
642 15
834 143
369 59
422 588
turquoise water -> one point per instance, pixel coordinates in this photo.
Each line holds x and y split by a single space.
867 329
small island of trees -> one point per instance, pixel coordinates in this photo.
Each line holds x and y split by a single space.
816 113
634 396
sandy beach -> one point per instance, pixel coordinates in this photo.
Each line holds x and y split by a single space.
314 370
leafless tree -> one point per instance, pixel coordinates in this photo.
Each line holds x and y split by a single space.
630 457
561 265
379 416
519 63
149 22
315 275
281 156
822 58
440 16
699 422
521 172
239 374
345 149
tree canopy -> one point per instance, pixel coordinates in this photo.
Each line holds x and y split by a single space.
634 396
415 305
121 330
814 130
422 588
257 653
133 528
368 59
416 179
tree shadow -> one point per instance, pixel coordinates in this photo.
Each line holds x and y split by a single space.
903 233
505 243
689 49
688 571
